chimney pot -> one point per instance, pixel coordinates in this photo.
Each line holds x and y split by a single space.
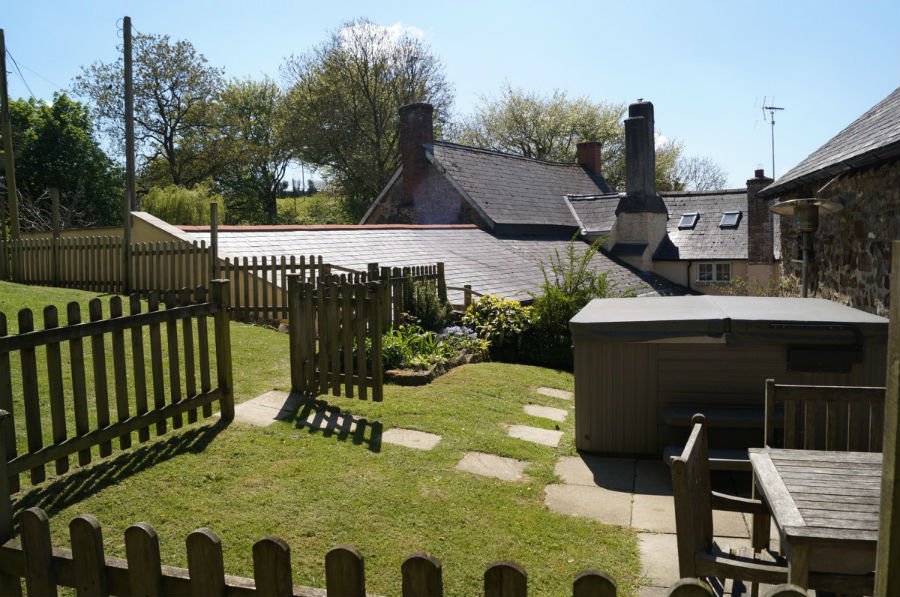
760 173
589 155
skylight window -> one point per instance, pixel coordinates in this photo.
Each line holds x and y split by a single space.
688 221
730 219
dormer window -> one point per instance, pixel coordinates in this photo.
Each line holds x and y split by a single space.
730 219
688 221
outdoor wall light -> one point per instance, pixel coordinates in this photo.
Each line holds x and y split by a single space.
805 213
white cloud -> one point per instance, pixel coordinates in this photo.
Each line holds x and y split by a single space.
389 34
660 140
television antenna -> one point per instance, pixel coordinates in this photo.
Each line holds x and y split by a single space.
772 109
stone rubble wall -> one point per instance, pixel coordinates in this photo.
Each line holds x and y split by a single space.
851 260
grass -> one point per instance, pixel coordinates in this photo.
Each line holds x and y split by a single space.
316 489
320 208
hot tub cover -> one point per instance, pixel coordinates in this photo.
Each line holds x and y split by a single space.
777 319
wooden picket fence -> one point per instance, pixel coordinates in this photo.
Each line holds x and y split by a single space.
95 263
259 284
141 400
87 569
331 323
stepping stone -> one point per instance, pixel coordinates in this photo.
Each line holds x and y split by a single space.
659 559
546 412
331 420
264 410
555 393
409 438
603 505
545 437
614 474
491 465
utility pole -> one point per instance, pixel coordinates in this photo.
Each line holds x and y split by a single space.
12 197
130 202
772 110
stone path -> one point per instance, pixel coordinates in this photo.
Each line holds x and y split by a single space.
491 465
555 393
264 410
545 437
410 438
546 412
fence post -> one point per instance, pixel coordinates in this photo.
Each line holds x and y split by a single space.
467 296
441 282
54 219
213 241
6 511
372 271
294 332
221 296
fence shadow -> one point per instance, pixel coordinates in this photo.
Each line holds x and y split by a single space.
317 416
71 488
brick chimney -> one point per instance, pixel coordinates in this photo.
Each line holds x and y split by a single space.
416 130
641 214
588 154
760 222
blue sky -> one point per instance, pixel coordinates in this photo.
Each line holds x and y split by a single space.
705 65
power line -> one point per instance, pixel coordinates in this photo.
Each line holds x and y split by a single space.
21 76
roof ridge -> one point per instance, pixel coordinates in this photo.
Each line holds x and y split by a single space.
702 193
311 227
504 154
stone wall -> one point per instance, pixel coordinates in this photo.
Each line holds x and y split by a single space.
851 260
437 202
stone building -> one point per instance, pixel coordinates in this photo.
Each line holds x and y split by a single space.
859 168
700 241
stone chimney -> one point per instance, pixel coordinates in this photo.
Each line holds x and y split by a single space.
641 214
760 222
588 154
416 129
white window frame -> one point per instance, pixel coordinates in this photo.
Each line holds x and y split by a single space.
714 272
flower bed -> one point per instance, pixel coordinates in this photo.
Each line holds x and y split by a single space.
414 356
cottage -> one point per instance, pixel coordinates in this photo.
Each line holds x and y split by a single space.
859 168
696 241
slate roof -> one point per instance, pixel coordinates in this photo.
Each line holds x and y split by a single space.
516 191
707 240
506 266
869 140
595 213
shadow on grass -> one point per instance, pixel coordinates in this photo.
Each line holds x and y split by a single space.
71 488
317 416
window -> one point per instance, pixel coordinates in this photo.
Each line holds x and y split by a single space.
688 221
730 219
714 273
723 272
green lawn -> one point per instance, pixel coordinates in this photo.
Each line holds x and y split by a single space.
317 489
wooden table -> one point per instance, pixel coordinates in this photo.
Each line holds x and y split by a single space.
825 505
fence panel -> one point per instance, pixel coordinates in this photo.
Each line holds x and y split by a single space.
86 568
46 430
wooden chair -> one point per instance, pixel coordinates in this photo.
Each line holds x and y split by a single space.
698 554
838 418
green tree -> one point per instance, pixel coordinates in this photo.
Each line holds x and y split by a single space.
250 134
343 103
56 148
181 206
548 127
174 89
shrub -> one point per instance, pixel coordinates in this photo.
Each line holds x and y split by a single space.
425 305
569 284
321 208
501 322
411 347
182 206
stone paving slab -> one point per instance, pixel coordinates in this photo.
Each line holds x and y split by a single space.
652 477
616 474
410 438
545 437
555 393
331 420
264 410
546 412
597 503
491 465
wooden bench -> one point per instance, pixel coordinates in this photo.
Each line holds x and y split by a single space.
716 416
719 460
